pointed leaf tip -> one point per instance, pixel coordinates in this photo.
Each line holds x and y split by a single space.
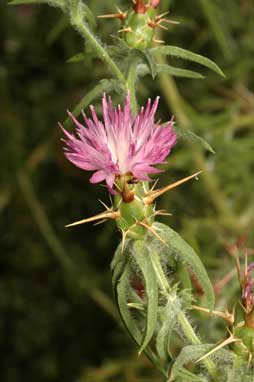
188 55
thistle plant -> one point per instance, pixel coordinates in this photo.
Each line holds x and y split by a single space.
153 267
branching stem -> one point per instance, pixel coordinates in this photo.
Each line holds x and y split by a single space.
78 22
182 319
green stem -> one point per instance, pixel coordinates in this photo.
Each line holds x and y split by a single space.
131 87
78 22
182 319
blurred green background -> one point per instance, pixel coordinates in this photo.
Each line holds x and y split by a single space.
58 321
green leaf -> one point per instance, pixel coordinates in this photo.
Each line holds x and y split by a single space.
122 288
188 256
88 14
104 86
168 321
19 2
57 29
187 376
187 55
190 136
183 276
118 263
149 58
144 263
77 58
189 353
178 72
55 3
122 300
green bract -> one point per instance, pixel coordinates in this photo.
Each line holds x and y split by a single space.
247 345
133 212
140 33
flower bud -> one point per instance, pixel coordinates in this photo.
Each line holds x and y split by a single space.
139 32
134 212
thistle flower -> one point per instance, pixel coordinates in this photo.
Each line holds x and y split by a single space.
247 288
121 144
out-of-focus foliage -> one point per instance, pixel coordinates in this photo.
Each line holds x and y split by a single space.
58 321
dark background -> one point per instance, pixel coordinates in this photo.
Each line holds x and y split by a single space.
58 321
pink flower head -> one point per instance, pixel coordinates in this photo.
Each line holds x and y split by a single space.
120 144
154 3
248 283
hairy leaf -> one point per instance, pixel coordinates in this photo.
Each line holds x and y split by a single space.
190 136
189 257
178 72
168 321
187 55
151 62
128 320
191 353
143 261
54 3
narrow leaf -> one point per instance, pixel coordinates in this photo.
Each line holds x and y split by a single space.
55 3
187 376
143 261
88 14
168 321
187 55
151 62
19 2
189 353
77 58
183 276
190 136
128 320
188 256
178 72
118 263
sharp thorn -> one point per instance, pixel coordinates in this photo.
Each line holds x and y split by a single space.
152 230
250 359
229 317
120 16
162 213
162 15
100 222
227 341
154 184
158 41
103 215
152 195
161 26
104 205
125 30
124 234
169 21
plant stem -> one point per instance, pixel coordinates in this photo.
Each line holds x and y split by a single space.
78 22
131 87
182 319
